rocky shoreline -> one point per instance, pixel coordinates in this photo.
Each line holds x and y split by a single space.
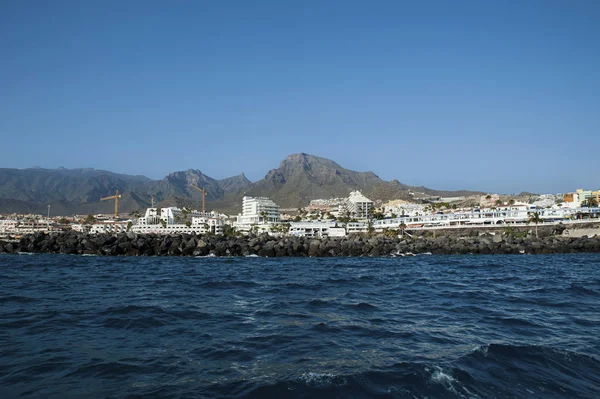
130 244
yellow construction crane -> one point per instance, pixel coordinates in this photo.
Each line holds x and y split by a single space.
203 191
116 198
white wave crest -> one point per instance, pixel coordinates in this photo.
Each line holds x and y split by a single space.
321 379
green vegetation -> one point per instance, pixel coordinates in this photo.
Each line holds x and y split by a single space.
281 228
89 219
370 228
534 217
390 233
510 231
590 202
230 231
378 216
263 215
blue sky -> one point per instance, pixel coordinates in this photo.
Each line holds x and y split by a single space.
493 96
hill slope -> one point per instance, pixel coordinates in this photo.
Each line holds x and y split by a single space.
303 177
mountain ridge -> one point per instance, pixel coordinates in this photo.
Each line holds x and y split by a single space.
298 179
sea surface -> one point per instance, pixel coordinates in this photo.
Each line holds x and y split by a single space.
407 327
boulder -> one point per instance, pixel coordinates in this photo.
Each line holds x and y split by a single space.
314 248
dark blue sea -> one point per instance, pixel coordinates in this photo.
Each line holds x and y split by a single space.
408 327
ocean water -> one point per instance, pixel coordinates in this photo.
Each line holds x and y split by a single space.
411 327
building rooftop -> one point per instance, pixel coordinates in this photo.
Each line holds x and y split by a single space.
356 196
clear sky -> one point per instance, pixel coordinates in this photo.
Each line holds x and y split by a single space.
498 96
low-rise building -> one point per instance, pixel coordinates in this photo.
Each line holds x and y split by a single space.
173 220
18 227
401 208
357 227
317 229
109 227
585 195
8 226
571 198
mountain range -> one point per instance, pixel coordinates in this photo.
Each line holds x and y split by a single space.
298 179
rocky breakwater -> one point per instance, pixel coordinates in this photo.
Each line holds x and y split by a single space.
192 245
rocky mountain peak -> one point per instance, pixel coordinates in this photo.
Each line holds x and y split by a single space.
303 161
234 183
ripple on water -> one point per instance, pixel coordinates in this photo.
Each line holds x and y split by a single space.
318 328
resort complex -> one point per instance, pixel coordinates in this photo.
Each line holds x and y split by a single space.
335 217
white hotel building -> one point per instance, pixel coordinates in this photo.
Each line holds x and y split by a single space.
257 211
358 205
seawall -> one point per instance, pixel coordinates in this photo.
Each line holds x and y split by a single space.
130 244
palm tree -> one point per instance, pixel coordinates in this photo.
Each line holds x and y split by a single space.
263 214
402 228
488 197
511 201
534 217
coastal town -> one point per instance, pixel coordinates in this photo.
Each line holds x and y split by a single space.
334 217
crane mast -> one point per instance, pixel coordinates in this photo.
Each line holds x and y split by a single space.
203 191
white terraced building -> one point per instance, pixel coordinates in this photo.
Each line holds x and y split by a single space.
16 227
317 229
108 228
173 220
257 211
517 214
358 205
